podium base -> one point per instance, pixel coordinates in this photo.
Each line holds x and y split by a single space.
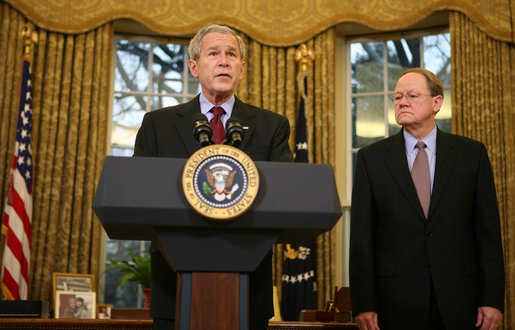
216 301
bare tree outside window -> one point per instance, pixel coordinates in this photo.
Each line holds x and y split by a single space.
147 76
375 68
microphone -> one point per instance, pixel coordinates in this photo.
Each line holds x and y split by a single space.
202 130
234 132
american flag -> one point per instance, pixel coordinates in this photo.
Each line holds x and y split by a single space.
298 280
17 216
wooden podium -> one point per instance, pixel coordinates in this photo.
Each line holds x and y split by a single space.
142 198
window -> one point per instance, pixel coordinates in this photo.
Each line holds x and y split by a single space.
148 75
376 66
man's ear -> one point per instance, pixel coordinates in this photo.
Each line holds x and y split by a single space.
242 71
437 103
193 68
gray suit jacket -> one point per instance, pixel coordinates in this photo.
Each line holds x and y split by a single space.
396 254
168 132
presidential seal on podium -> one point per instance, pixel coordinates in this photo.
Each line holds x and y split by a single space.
220 182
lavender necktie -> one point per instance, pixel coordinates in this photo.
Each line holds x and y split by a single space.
421 178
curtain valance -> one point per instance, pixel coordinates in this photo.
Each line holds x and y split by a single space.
275 23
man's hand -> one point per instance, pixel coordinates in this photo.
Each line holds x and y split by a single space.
488 318
367 321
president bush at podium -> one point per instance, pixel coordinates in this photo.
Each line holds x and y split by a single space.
217 60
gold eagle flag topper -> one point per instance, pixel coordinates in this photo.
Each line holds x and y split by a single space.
29 37
304 54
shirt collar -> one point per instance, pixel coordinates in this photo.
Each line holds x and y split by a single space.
429 140
205 105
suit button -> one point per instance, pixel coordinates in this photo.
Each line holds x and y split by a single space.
429 234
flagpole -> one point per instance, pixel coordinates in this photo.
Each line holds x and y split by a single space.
299 276
303 56
29 37
17 212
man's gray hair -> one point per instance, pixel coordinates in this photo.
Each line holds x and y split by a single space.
196 43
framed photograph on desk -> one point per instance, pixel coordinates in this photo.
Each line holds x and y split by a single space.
75 305
104 311
71 282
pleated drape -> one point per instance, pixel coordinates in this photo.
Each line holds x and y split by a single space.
71 75
271 82
71 79
482 105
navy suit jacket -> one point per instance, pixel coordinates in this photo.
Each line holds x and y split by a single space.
396 254
168 132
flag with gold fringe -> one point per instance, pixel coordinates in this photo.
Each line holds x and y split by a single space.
298 280
17 215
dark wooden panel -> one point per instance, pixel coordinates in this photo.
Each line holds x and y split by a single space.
73 324
310 325
215 301
76 324
130 313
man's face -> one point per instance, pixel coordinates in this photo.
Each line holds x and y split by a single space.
414 106
219 67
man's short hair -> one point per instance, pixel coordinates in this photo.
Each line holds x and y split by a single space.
434 84
195 45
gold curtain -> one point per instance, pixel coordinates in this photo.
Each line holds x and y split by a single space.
482 105
271 22
70 78
271 82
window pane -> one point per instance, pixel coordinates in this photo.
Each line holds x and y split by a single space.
122 152
368 120
126 297
402 54
128 112
170 84
367 67
437 56
193 85
159 102
120 249
167 68
393 127
123 136
443 117
131 72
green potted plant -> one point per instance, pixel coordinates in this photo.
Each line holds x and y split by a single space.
137 271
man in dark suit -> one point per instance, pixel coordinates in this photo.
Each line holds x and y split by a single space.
417 262
216 59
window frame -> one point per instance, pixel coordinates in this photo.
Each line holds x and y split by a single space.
184 96
345 151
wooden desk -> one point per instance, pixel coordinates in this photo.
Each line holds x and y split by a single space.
72 324
76 324
310 325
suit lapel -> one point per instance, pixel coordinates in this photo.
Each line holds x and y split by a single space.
445 160
395 157
185 129
246 118
184 125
